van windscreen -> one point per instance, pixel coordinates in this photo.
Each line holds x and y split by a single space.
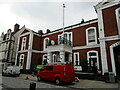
49 68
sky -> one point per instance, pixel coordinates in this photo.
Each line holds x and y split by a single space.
42 15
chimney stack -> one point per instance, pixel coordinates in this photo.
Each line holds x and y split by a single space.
48 31
16 27
82 21
40 32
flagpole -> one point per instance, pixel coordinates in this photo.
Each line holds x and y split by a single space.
63 18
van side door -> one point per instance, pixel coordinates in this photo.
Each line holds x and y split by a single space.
49 73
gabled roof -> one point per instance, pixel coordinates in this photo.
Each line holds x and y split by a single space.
104 2
72 26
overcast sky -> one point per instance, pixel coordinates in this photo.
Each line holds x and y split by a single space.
44 15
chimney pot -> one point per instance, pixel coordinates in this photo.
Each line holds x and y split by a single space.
16 27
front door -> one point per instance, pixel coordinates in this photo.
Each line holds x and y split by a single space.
117 59
93 65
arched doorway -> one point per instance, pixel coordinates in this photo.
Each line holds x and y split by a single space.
93 63
115 58
116 51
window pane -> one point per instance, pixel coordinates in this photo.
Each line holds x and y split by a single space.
91 31
49 68
47 43
65 36
92 54
70 37
76 57
91 35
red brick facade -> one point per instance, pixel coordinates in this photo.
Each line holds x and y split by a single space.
106 34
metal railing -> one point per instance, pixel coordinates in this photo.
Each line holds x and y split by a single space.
64 41
60 41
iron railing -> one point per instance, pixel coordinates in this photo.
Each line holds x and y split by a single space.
62 41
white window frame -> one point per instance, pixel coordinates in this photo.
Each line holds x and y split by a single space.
76 53
59 38
118 19
54 59
88 56
24 39
71 37
45 42
21 57
44 58
91 43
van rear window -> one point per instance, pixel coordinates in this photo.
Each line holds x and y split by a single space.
49 68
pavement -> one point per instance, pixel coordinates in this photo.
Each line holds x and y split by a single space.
83 83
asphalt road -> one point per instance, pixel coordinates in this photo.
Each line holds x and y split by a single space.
12 82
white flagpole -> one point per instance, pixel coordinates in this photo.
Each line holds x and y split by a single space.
63 18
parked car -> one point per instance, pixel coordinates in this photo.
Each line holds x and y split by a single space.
59 73
12 70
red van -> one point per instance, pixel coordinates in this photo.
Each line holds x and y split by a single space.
59 73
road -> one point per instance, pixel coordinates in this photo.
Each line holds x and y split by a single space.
12 82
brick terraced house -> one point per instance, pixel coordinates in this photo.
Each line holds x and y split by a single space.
91 46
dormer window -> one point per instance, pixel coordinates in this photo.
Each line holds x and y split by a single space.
118 19
23 44
91 37
46 43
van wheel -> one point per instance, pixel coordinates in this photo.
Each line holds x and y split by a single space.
38 78
57 81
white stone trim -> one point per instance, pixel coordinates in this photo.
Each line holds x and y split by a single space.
103 57
35 51
86 47
94 57
62 56
72 27
100 23
78 54
112 60
17 50
24 39
91 43
113 3
28 64
118 19
43 58
110 38
31 41
22 51
23 60
53 57
45 43
36 34
102 43
24 34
